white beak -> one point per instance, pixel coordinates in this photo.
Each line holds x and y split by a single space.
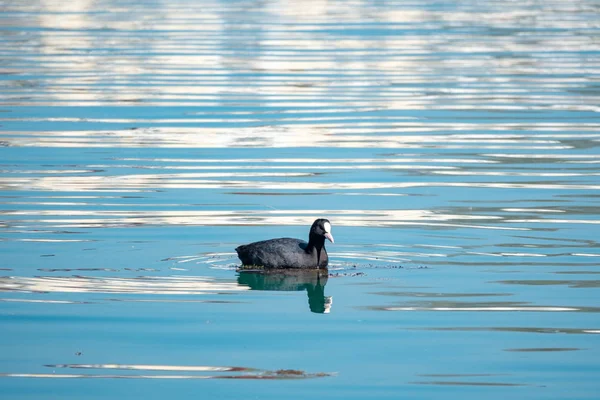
328 236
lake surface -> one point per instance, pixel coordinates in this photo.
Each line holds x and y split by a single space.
453 145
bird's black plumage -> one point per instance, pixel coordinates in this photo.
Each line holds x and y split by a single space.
288 252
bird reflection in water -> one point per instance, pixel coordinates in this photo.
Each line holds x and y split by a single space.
310 280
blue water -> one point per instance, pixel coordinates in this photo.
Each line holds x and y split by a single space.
454 146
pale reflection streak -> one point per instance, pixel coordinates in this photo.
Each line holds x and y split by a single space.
234 372
268 375
292 167
450 305
526 308
271 163
146 183
174 285
372 218
189 368
513 173
96 376
324 134
47 240
515 329
40 301
280 136
366 218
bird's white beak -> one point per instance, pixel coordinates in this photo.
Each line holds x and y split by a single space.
328 236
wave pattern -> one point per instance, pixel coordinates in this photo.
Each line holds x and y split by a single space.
453 145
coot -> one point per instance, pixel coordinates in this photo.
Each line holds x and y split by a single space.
290 253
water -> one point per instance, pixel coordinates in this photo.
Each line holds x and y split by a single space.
453 145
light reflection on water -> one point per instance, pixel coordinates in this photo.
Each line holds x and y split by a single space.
174 285
235 372
453 145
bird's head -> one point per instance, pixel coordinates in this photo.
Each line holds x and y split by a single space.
322 227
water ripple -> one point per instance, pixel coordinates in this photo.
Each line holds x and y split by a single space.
462 136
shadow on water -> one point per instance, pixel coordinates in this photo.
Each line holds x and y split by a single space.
291 281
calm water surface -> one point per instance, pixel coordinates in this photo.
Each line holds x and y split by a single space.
453 145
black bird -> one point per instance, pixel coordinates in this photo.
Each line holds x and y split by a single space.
288 252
